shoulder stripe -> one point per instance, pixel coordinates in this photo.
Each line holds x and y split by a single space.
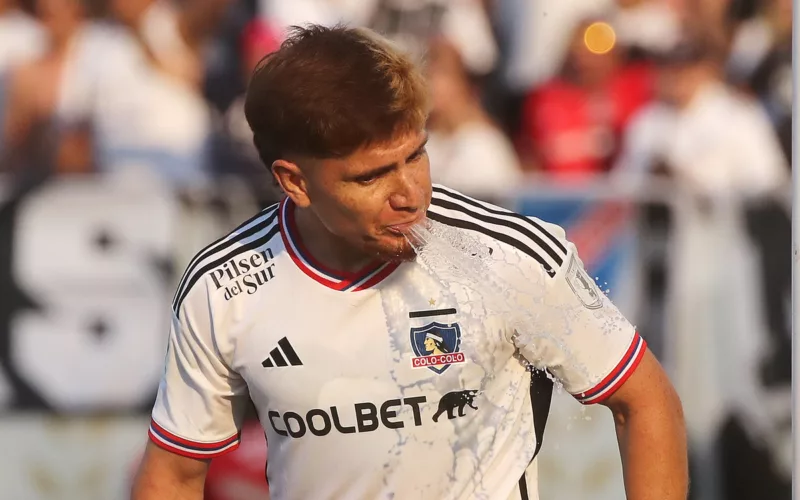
503 214
208 266
471 226
502 225
259 221
238 234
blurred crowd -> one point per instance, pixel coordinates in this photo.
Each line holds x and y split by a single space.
696 90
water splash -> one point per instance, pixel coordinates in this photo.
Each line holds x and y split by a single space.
496 290
501 284
499 291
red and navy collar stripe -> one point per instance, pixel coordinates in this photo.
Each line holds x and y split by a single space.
192 449
618 375
369 276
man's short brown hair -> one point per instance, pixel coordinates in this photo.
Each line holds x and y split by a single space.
328 92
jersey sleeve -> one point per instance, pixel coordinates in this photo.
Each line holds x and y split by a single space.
201 401
576 332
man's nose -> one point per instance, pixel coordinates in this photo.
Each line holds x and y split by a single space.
406 196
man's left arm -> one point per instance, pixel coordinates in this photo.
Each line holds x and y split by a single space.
582 339
651 433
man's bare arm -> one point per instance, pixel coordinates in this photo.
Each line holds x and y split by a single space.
164 475
651 434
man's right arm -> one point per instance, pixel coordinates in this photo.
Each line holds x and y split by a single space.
199 406
164 475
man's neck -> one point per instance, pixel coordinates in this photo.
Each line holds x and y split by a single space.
325 247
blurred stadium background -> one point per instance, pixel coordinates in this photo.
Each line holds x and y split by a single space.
656 131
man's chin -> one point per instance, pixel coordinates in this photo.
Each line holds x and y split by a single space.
404 256
402 252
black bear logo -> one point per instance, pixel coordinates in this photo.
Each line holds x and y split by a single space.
453 400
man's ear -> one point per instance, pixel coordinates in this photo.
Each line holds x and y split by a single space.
292 181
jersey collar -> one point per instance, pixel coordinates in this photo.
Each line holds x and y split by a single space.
367 277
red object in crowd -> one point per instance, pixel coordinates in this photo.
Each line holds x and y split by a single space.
257 40
241 474
575 132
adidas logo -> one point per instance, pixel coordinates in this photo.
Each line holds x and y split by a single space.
283 355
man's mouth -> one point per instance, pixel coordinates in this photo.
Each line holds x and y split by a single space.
403 228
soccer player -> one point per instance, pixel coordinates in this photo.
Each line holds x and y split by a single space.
321 311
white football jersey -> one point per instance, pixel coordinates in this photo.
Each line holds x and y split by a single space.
409 380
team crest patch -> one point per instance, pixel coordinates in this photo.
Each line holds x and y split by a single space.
583 286
436 346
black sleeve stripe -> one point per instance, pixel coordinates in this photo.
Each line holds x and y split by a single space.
523 488
221 244
471 226
541 397
221 260
536 243
502 213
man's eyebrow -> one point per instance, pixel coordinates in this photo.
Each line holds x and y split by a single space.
391 166
378 171
409 157
419 148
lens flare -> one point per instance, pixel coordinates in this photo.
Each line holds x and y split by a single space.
599 38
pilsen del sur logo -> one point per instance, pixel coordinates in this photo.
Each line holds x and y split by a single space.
436 346
244 274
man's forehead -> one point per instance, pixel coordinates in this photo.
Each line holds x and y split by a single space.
399 145
374 155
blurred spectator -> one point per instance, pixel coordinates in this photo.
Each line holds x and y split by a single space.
33 142
257 40
225 77
761 61
234 151
537 36
173 34
282 14
718 146
772 84
645 27
464 23
756 38
137 88
572 125
710 138
706 20
21 37
410 24
467 151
